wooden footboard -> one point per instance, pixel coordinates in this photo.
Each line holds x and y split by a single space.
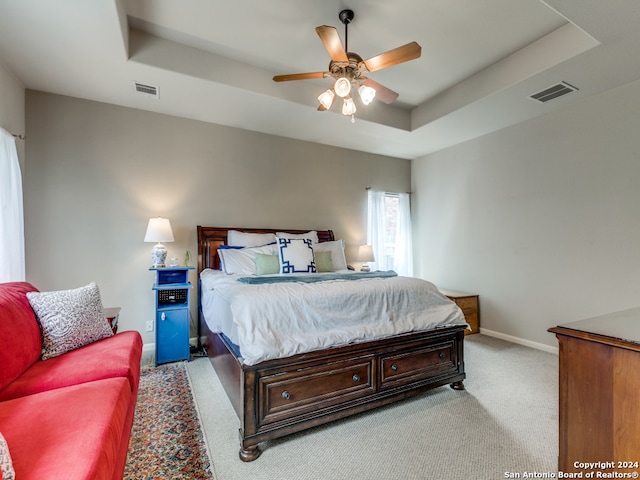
280 397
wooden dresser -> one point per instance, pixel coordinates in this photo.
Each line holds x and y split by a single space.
470 306
599 414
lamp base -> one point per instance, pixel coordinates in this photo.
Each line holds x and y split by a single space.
365 268
158 255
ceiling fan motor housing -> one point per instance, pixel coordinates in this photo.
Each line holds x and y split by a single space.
353 70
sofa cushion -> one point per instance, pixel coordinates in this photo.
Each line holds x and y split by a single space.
69 319
116 356
20 341
71 433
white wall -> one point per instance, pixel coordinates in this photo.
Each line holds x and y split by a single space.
541 219
97 172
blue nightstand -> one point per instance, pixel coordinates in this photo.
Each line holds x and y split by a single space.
172 313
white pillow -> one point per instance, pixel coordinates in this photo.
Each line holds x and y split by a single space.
242 260
296 255
313 235
236 238
69 319
6 466
336 248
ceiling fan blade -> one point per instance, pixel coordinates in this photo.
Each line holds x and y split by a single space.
299 76
402 54
332 43
382 93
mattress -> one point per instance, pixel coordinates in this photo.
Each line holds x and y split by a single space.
277 320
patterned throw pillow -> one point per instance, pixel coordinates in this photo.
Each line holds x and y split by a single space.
69 319
296 255
6 467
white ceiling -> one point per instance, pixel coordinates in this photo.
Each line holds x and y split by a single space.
214 61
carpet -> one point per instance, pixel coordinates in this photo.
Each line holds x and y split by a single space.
506 421
167 440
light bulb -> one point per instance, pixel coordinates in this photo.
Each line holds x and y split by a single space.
342 87
367 94
348 108
326 98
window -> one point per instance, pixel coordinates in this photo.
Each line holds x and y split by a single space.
389 232
11 220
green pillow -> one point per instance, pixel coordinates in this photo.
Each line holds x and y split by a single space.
323 260
267 264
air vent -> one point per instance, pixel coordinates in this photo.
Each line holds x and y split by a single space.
147 90
555 91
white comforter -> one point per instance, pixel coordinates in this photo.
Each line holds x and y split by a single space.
284 319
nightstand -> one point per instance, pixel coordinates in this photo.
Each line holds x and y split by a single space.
470 305
171 289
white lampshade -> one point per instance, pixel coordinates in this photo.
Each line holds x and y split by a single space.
367 94
158 230
349 107
365 253
326 98
342 87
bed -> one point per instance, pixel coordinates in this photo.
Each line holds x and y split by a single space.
277 396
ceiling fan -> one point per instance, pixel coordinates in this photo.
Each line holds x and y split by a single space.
350 70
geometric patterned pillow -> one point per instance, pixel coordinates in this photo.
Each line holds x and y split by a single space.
296 255
69 319
6 467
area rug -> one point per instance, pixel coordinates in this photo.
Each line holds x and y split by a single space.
167 440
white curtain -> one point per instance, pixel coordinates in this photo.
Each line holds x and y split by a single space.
403 258
12 264
391 252
376 230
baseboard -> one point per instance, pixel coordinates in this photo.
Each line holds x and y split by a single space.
519 341
151 347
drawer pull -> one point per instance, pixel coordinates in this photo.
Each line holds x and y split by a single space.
286 395
394 367
356 377
442 356
162 317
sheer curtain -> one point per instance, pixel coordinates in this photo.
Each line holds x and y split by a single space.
403 258
376 230
392 247
12 267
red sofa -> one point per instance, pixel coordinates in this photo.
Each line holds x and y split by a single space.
68 417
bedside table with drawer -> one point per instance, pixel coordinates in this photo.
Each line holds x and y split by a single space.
470 305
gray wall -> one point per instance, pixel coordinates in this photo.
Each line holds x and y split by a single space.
12 108
97 172
541 219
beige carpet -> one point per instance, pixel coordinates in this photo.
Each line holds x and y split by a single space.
505 421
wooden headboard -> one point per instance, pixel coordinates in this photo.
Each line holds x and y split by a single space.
210 239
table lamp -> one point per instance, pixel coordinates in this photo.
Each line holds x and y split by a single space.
158 230
365 255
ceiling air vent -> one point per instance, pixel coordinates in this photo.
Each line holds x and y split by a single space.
147 90
555 91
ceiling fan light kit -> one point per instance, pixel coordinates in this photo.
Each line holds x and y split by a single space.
349 70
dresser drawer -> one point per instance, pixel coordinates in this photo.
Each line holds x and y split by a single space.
417 364
311 389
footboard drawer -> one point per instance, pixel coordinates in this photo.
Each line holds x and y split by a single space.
311 389
428 362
